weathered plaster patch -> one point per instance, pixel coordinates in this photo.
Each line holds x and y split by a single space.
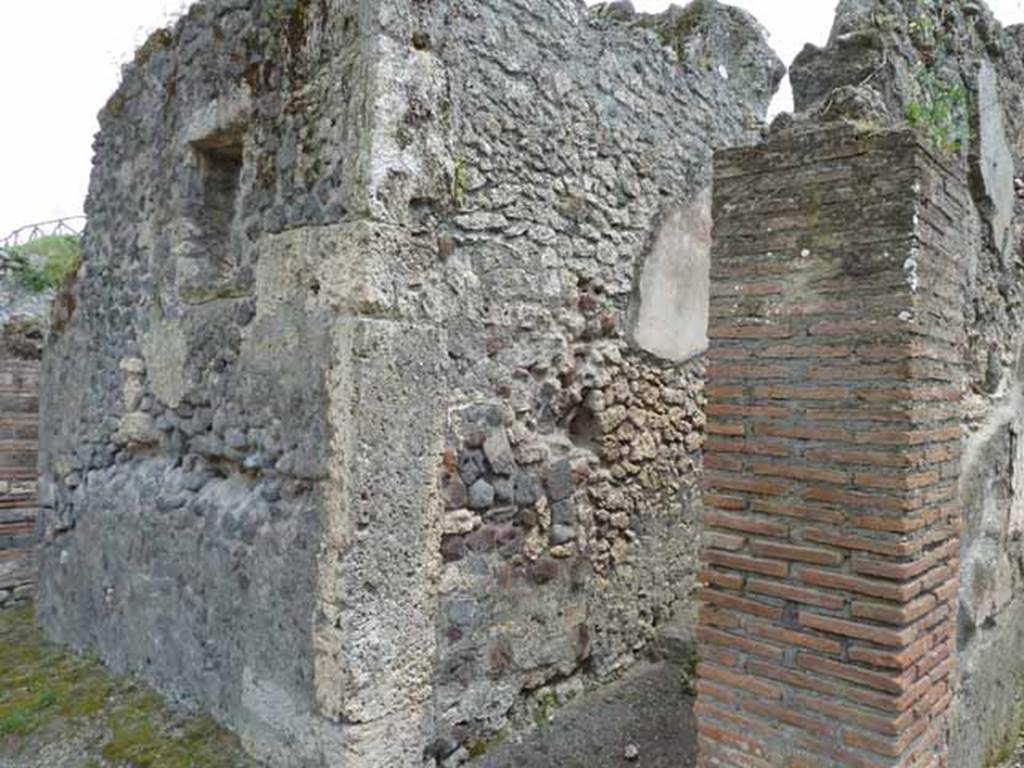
994 161
165 349
671 320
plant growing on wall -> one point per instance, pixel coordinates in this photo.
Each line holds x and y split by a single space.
46 263
940 113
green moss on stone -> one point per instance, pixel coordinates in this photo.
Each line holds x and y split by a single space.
157 41
45 690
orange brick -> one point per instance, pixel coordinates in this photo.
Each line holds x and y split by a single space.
800 472
745 524
847 541
722 501
778 712
725 428
896 482
733 482
745 563
939 453
720 656
907 458
889 570
718 371
891 659
870 327
741 604
724 445
714 390
726 541
737 445
859 499
890 747
816 432
889 683
876 634
717 617
893 614
904 523
795 593
723 461
941 670
710 636
932 659
792 637
828 686
802 511
724 579
917 394
738 680
795 552
846 713
872 587
715 691
733 409
802 351
749 331
789 392
925 704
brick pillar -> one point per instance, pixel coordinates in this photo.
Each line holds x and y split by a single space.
827 625
19 417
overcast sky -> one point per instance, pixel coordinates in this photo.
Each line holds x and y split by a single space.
60 59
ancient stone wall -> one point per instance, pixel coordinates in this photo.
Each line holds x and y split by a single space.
833 458
575 412
372 422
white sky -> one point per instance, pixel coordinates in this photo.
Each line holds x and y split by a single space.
59 62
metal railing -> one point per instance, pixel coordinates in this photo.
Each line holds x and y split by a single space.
68 225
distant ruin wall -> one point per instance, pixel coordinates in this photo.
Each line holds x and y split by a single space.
19 420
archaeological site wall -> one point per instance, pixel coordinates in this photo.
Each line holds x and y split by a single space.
376 418
372 424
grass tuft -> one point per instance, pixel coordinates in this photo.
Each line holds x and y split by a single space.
47 693
47 263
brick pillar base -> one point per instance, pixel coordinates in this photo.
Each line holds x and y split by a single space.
827 627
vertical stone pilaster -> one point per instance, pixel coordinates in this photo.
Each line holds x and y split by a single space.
380 554
831 546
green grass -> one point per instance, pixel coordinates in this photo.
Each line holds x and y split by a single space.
940 115
46 692
46 263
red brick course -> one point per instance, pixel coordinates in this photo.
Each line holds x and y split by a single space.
831 509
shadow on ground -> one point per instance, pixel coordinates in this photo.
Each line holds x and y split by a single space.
648 711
